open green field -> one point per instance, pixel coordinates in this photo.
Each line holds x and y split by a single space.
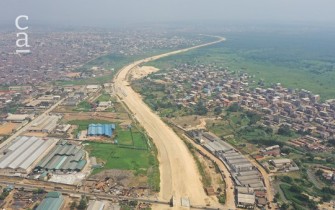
297 60
83 106
116 157
131 137
104 97
142 162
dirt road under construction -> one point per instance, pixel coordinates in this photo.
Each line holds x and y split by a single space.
179 175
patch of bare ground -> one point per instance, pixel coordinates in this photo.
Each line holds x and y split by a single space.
191 122
140 72
7 128
124 178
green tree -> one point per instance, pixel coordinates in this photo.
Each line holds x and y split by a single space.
285 130
200 108
284 206
133 203
287 179
234 108
326 197
222 199
296 189
217 110
328 190
253 117
82 204
286 150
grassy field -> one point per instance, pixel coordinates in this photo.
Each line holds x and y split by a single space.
295 60
104 97
116 157
142 162
131 138
83 106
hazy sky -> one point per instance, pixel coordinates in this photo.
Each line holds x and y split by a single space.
105 12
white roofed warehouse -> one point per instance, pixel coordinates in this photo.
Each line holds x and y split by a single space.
21 156
18 118
46 124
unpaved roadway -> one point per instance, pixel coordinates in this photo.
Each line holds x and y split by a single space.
178 172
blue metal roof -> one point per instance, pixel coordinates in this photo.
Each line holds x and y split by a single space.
101 130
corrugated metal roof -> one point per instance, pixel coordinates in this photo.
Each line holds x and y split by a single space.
101 129
45 161
54 161
81 164
26 154
61 161
17 144
65 157
78 156
26 150
16 153
53 201
35 155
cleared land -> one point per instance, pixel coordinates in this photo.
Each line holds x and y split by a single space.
8 128
140 72
176 162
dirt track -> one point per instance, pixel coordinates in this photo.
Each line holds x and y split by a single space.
178 172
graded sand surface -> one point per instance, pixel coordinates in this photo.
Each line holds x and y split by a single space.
140 72
179 175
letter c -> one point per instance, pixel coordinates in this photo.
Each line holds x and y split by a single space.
17 22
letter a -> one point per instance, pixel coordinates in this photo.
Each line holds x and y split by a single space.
24 40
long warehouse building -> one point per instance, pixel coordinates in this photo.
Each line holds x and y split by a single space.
46 124
20 157
65 157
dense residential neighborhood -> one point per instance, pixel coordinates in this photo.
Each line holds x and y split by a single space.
66 52
215 87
